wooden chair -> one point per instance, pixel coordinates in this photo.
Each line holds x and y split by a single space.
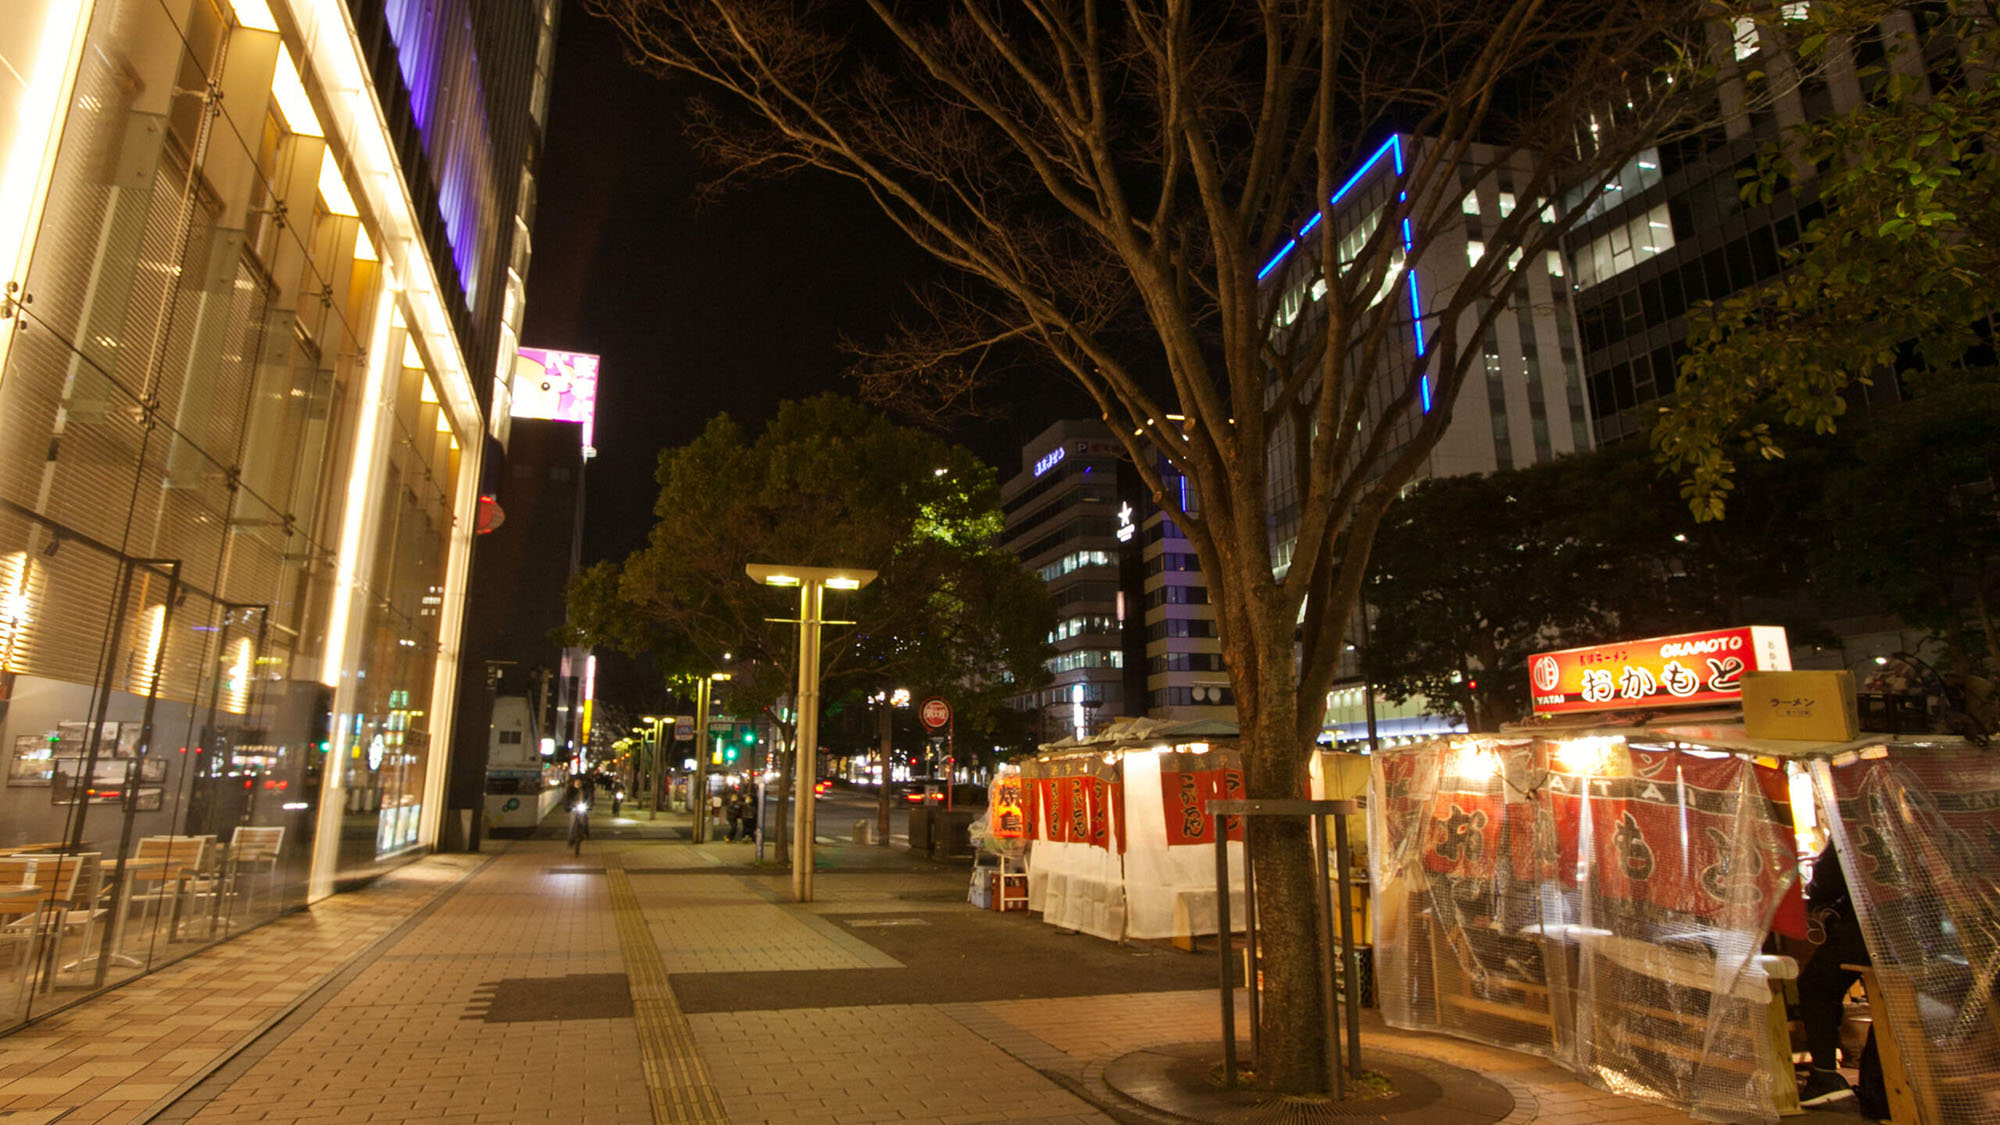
47 898
253 849
162 871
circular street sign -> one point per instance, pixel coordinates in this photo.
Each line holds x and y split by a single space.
935 712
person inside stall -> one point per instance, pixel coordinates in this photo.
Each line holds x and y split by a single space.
1824 983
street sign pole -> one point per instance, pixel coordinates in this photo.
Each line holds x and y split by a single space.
937 713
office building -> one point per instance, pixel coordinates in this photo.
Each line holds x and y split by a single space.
1674 228
1184 674
262 263
1523 405
1062 519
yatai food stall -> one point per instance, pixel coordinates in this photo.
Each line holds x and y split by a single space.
1121 843
1621 892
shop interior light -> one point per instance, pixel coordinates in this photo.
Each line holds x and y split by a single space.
146 657
347 566
333 187
254 14
1805 807
36 92
1476 763
1584 756
290 95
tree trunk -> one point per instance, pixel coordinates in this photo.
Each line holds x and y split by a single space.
1292 1036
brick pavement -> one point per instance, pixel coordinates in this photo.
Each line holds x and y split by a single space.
495 989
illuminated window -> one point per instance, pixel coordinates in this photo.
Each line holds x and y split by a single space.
1746 37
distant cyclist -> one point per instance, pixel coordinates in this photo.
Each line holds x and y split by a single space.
579 817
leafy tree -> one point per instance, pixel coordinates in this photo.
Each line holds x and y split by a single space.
1472 575
1108 182
1902 271
1912 518
828 483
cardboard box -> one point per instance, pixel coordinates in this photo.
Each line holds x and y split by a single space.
1806 706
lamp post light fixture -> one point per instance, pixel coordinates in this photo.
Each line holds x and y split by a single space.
812 583
648 774
655 770
699 796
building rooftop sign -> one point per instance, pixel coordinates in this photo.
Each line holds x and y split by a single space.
1051 459
557 385
1687 669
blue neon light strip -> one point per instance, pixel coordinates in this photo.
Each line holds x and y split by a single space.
1276 258
1393 146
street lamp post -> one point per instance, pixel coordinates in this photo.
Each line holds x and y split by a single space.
812 582
651 774
699 797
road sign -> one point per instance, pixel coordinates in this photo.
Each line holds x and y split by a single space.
935 712
683 727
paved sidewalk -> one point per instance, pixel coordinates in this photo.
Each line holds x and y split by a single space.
650 980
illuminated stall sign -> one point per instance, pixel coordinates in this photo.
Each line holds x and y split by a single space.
1682 670
1009 811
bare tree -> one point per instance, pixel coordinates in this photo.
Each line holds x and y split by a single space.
1108 179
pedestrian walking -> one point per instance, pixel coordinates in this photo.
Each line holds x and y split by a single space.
617 798
734 811
749 817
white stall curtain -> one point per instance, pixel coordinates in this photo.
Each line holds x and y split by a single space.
1075 876
1918 828
1600 903
1124 847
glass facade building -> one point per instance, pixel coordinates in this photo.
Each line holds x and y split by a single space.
245 391
1675 229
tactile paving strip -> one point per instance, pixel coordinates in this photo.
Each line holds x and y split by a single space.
679 1084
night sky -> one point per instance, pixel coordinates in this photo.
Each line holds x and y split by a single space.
699 312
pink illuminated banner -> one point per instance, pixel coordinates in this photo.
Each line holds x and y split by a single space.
557 385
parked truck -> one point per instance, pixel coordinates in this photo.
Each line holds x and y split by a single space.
522 784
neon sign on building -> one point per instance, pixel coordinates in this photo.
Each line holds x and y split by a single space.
1392 148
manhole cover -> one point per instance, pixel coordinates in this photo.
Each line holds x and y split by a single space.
580 996
878 922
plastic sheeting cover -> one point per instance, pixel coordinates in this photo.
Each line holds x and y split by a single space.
1598 903
1919 835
